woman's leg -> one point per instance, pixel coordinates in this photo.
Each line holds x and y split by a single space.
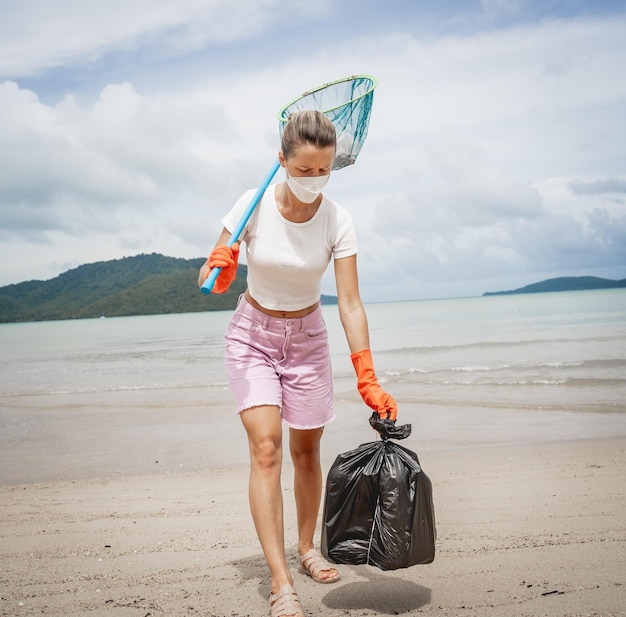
304 446
264 428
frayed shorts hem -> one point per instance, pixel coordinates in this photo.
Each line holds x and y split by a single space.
307 428
247 406
297 427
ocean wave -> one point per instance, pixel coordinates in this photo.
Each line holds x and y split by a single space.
509 343
90 390
592 366
573 382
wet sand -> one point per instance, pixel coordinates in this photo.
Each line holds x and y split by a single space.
125 526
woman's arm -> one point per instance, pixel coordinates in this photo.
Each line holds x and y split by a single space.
354 321
351 311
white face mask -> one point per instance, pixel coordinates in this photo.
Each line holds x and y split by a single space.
307 188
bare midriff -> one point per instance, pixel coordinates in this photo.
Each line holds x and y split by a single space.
280 314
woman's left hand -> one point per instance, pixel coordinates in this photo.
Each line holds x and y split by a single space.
369 388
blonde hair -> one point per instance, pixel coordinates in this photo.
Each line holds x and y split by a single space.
307 127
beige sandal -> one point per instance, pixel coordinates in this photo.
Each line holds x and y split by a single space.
285 603
313 563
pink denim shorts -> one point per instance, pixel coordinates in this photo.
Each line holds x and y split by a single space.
282 362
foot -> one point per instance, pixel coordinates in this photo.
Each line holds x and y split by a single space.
285 603
313 564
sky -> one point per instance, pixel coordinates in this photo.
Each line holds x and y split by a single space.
495 157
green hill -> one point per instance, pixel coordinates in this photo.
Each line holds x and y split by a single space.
564 283
141 285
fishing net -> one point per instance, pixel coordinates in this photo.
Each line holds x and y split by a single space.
348 104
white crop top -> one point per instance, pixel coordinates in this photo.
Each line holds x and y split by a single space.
286 260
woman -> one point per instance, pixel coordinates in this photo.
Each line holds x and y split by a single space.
277 353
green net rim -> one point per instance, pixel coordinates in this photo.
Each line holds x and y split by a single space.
371 78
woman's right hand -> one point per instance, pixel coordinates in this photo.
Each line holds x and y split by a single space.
226 258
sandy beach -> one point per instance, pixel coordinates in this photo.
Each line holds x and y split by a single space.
523 530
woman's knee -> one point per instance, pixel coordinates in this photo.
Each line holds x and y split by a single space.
266 451
305 449
264 429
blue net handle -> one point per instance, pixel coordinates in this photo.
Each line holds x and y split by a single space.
348 104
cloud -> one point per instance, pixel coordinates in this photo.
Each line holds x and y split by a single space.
126 151
80 31
598 187
491 155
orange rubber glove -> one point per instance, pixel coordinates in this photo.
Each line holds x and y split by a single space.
368 386
226 258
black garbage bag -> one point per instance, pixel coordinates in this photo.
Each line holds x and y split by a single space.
378 507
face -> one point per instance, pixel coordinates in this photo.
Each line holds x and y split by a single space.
307 160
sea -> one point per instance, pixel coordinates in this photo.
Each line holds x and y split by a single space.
114 395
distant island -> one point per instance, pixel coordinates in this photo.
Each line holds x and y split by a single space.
153 284
564 283
149 284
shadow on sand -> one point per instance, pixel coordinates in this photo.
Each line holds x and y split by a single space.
381 593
